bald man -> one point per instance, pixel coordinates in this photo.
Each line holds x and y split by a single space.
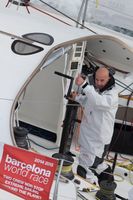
100 104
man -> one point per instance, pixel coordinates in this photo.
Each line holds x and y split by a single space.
100 104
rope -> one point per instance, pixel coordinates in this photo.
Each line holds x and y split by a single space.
49 15
30 140
67 17
66 169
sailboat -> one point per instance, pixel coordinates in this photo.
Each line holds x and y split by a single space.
42 51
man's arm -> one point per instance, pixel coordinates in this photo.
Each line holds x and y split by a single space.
101 101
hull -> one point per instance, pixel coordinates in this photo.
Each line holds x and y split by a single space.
41 54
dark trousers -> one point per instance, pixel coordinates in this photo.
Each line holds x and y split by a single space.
82 172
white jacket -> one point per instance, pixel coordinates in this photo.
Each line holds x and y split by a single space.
97 124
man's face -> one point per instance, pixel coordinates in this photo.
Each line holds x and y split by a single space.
101 79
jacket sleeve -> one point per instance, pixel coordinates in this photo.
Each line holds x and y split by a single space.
80 99
105 101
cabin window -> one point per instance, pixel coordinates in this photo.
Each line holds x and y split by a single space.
42 38
24 48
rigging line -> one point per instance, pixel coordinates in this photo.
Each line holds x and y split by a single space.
6 99
52 148
16 37
123 87
125 84
49 15
128 159
128 86
83 26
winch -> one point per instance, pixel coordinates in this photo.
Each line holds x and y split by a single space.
20 134
66 170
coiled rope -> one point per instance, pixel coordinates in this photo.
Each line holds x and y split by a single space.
106 191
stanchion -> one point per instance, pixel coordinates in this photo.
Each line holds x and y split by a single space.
55 196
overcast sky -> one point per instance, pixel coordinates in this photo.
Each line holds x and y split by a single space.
119 12
124 6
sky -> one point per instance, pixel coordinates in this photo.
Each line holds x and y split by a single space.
71 7
114 12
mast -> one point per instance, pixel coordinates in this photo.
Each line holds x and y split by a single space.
82 13
76 67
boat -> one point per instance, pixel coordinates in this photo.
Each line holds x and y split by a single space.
42 51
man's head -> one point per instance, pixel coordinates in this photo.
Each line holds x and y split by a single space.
101 77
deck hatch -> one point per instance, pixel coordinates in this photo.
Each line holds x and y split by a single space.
24 48
41 38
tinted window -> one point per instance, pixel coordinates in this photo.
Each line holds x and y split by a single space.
42 38
24 48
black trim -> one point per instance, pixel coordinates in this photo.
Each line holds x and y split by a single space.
120 197
84 85
42 133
